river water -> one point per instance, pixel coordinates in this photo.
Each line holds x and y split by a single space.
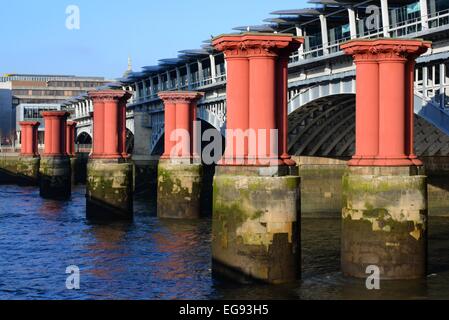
155 259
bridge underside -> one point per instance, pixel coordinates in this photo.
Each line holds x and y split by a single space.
326 128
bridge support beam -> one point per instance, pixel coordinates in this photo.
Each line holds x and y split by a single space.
55 176
384 216
28 164
70 148
179 169
255 229
109 171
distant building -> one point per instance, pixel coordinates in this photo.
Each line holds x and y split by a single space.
37 92
33 112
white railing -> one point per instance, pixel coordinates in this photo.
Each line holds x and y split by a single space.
401 29
220 78
436 93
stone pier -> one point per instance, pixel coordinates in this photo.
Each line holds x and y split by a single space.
55 176
179 169
29 160
109 170
70 148
256 201
384 217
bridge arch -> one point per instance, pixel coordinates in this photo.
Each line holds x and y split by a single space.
84 137
323 127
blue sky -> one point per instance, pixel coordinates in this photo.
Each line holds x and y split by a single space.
34 38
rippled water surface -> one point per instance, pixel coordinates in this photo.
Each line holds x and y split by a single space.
155 259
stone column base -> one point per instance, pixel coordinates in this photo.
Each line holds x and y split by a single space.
109 190
384 222
255 228
28 171
55 178
179 190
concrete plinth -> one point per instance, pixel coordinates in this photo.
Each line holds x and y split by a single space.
255 229
179 190
384 222
55 177
28 171
109 189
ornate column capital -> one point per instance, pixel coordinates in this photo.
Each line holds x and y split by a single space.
55 114
385 49
257 44
109 95
176 97
29 123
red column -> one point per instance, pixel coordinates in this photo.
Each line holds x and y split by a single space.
257 93
410 112
55 131
70 138
367 102
193 129
122 127
392 111
98 128
237 96
29 137
384 103
262 95
170 127
109 128
180 114
183 127
282 100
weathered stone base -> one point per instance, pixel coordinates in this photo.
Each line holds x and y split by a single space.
321 185
28 171
55 178
109 190
179 190
384 222
255 228
8 169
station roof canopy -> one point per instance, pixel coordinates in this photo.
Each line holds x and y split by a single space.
299 12
170 62
353 2
195 52
256 28
151 69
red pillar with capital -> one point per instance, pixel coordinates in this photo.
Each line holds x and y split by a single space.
55 133
256 177
27 170
179 169
180 116
257 78
29 137
384 100
384 216
109 124
70 138
55 171
109 173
